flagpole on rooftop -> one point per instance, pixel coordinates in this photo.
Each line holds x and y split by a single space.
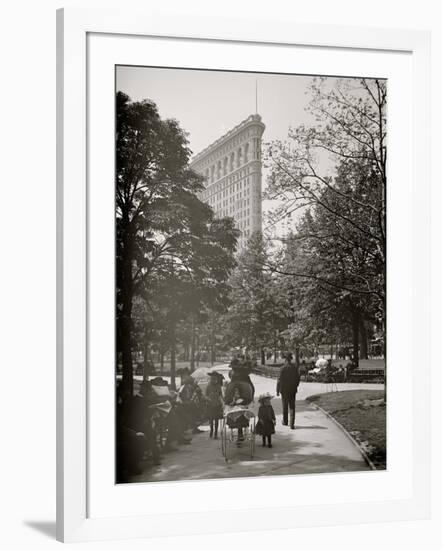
256 96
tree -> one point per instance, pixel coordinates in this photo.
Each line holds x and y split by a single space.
166 237
334 174
255 312
188 288
318 312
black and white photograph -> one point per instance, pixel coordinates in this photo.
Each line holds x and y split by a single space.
221 284
250 284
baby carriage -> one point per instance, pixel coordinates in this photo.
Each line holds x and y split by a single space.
238 429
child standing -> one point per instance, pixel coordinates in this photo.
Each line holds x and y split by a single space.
266 419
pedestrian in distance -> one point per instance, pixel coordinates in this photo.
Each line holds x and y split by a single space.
287 386
265 426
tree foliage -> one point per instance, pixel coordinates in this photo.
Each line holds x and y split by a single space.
171 251
333 174
258 309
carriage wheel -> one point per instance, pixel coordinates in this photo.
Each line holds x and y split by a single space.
224 442
252 440
222 439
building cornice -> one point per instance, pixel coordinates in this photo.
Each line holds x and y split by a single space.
252 120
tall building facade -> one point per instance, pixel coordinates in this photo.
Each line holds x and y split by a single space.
233 173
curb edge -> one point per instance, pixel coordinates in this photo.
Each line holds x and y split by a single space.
350 437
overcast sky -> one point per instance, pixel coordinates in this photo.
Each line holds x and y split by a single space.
209 103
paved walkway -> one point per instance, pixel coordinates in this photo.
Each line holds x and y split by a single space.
317 445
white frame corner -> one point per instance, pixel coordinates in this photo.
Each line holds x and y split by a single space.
73 26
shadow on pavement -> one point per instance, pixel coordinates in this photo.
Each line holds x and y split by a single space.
320 447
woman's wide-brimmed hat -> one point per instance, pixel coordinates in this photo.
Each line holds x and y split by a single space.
266 395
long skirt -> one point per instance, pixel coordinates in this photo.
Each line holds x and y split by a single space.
215 411
265 427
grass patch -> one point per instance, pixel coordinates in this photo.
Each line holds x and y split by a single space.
363 415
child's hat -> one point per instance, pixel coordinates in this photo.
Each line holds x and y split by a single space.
266 395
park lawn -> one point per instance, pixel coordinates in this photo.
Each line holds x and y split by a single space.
363 414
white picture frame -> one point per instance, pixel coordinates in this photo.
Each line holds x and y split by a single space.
79 518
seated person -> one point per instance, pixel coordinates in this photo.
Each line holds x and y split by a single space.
235 400
130 438
240 380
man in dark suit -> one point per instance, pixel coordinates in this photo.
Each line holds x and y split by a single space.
287 386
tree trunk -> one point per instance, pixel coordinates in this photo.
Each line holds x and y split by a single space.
126 352
212 345
161 362
364 343
385 367
355 328
263 356
126 324
297 356
145 355
172 357
197 350
192 347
